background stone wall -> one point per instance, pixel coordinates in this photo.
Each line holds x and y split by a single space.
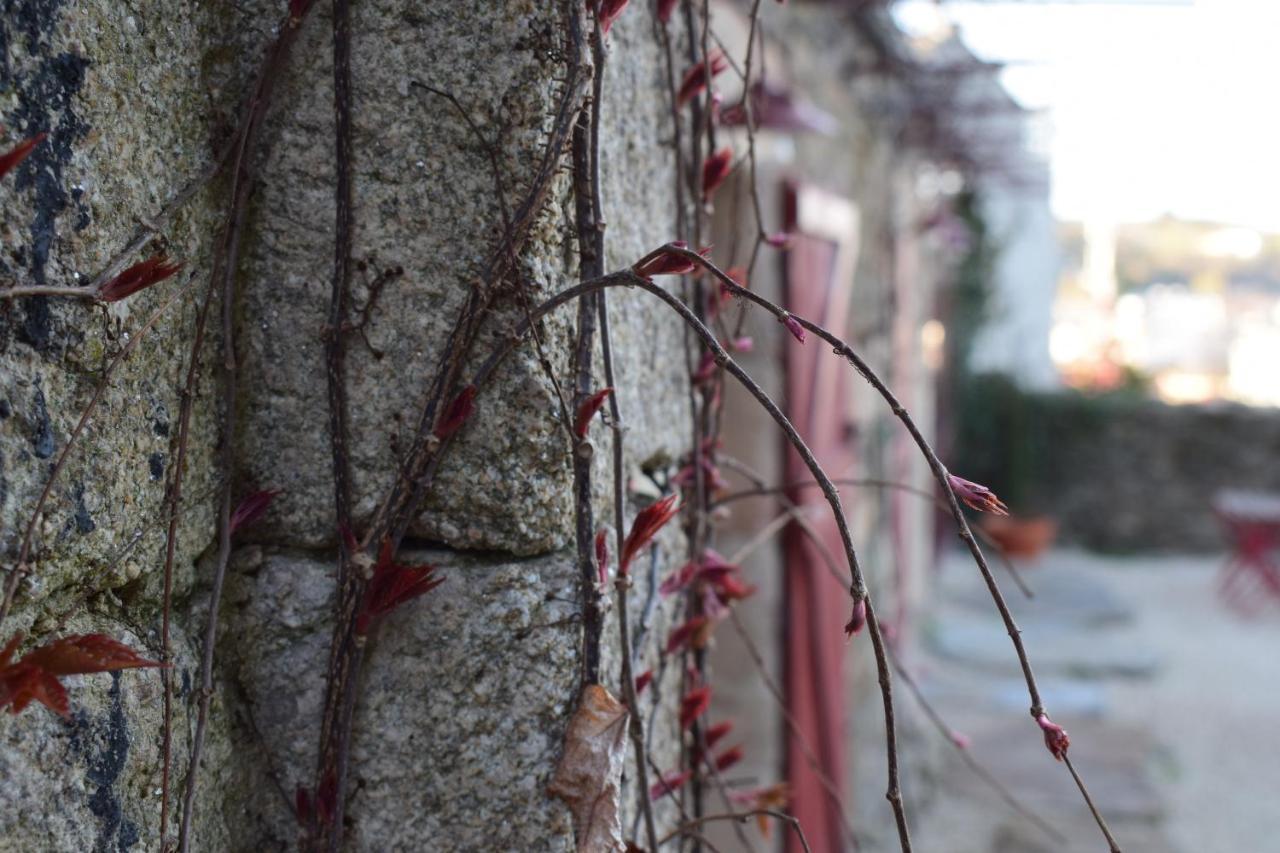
1119 473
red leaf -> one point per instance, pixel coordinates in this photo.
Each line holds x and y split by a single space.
602 556
35 676
608 13
642 680
392 585
15 155
682 635
730 588
669 783
588 410
23 682
456 415
716 732
715 169
669 263
695 79
138 277
302 805
648 522
79 654
728 758
693 705
299 8
678 580
251 508
665 8
327 798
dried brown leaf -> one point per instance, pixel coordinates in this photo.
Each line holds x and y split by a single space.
589 776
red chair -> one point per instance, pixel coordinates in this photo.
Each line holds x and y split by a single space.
1251 574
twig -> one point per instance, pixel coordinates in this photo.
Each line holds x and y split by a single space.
935 465
225 268
19 291
967 756
417 470
761 490
858 588
335 725
1097 816
585 155
635 726
150 227
741 817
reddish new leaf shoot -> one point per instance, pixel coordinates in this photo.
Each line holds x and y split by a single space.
140 276
461 408
251 508
588 410
648 522
392 585
15 155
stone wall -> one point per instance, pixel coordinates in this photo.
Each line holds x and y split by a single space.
467 691
1119 473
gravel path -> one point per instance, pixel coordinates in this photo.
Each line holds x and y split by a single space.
1173 700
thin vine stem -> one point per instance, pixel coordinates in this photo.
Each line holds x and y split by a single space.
858 589
939 471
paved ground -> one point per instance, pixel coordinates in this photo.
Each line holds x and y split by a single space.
1172 701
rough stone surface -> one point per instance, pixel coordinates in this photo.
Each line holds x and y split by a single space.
425 201
131 96
467 692
465 702
92 782
124 137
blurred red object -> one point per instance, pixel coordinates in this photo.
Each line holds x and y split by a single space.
1252 520
1026 538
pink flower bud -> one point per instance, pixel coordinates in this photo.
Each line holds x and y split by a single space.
793 326
857 618
976 496
1055 736
779 240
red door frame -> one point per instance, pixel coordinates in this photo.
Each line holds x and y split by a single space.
817 284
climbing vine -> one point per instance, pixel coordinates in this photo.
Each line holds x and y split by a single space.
707 298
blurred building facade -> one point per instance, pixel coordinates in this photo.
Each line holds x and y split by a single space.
866 183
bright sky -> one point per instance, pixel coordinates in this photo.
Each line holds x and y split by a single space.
1153 107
